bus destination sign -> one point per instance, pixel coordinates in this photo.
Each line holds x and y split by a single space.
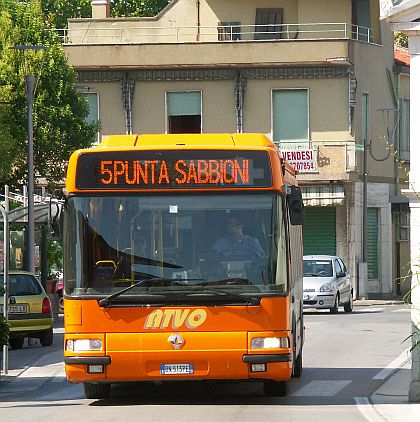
133 170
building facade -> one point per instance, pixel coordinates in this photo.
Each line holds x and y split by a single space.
317 77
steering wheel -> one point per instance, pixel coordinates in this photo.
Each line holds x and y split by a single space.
322 273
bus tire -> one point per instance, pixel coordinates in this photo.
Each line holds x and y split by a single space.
275 388
96 391
297 366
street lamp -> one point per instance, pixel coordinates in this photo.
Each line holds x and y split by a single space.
30 84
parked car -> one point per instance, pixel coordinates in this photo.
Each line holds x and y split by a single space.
30 311
326 283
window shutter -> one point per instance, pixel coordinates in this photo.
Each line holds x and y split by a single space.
184 103
290 115
372 243
265 19
319 231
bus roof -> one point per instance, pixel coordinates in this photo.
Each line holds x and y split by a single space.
208 141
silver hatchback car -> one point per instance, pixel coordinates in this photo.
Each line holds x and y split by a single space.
326 283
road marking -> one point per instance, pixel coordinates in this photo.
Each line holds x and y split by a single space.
404 357
321 388
402 310
367 410
370 309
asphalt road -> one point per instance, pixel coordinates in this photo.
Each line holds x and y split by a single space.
347 357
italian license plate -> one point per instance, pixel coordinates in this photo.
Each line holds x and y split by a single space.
16 309
176 368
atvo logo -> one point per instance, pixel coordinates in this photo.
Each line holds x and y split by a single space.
175 317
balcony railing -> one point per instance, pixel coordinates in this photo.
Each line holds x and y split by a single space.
129 33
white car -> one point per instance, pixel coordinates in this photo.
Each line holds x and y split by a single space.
326 283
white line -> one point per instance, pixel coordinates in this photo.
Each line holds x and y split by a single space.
321 388
394 365
370 309
367 410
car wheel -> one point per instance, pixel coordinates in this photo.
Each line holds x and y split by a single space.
46 338
275 388
348 307
96 391
334 309
17 342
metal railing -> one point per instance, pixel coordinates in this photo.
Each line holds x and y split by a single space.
126 34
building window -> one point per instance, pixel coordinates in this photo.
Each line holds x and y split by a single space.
405 129
229 31
268 23
291 117
183 111
93 106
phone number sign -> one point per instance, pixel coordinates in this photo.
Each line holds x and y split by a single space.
303 160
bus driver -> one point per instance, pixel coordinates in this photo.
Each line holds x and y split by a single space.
236 243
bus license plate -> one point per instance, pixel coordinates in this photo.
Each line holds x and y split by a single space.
176 368
16 309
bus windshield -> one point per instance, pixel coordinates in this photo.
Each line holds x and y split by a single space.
175 246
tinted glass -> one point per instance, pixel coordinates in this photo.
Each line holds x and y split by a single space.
317 268
23 285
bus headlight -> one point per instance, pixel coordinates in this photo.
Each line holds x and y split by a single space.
84 345
270 343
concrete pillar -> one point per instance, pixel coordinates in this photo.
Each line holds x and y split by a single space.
101 9
414 177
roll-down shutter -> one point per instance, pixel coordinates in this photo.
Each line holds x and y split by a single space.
319 232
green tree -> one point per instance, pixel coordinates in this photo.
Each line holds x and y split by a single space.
59 111
127 8
58 11
401 39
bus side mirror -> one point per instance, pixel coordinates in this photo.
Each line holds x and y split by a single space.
295 205
55 220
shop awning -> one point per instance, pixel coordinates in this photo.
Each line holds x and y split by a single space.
322 196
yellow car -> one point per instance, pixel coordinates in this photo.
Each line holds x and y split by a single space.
30 311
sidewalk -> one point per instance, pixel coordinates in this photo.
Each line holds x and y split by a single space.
391 400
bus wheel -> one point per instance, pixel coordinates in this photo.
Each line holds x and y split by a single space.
297 366
96 391
275 388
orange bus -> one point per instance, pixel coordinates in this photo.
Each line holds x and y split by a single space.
182 261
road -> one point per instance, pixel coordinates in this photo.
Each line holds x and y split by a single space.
347 357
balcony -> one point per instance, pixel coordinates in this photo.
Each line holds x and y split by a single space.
131 32
120 45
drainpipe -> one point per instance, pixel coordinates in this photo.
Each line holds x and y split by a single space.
198 20
240 83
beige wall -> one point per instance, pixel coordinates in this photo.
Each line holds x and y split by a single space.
258 115
324 11
217 104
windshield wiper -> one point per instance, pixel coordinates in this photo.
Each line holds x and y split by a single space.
207 290
146 282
